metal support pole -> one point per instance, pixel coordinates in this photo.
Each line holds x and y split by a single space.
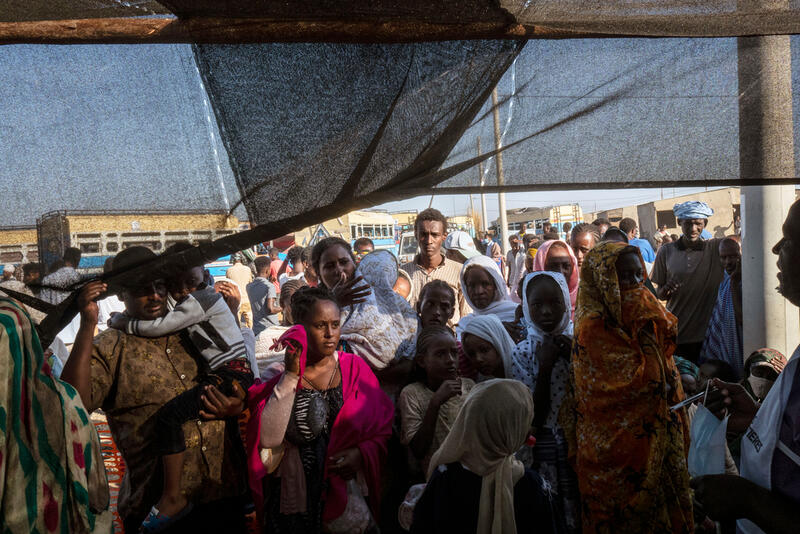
484 217
501 197
766 150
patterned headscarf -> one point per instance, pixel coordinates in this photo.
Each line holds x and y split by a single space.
383 327
693 209
770 357
52 477
685 367
630 448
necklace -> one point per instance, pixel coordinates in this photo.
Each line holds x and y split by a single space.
318 409
330 381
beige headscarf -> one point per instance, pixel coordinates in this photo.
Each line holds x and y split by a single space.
491 426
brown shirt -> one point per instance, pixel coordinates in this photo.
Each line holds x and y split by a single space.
450 272
699 273
132 377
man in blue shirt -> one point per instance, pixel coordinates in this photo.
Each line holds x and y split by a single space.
631 229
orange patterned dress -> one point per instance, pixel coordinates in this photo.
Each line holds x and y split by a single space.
630 448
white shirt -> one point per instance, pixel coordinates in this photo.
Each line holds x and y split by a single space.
516 268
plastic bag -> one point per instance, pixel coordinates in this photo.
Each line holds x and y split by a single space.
708 443
356 518
405 514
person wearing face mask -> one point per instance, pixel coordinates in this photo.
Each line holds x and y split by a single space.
761 371
724 334
630 447
688 273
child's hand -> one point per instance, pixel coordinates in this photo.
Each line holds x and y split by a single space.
564 344
218 406
448 389
231 295
551 349
515 331
118 321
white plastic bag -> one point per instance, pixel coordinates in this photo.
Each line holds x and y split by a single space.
356 518
405 514
708 443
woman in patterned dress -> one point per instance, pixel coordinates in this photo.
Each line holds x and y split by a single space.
631 448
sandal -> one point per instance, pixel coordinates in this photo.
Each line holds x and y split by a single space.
158 522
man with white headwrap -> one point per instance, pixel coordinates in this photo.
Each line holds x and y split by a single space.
688 273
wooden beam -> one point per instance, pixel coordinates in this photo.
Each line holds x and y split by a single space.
251 30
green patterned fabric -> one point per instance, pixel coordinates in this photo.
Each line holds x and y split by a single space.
52 477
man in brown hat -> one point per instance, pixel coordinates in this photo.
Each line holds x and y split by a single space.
130 378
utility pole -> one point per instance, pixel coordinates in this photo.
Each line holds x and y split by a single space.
766 150
484 220
501 196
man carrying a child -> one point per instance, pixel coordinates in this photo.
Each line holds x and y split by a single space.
130 378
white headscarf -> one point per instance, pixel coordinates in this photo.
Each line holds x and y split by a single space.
565 325
492 425
502 306
525 361
384 326
489 328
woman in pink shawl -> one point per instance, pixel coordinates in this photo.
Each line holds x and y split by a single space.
316 426
558 257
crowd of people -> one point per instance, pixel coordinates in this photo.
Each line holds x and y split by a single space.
544 390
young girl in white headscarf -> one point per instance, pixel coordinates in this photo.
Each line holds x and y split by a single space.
485 291
541 362
488 347
475 483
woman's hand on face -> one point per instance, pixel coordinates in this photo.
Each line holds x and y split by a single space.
346 463
291 357
352 292
218 406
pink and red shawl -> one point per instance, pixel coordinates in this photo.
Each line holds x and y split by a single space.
364 421
572 283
